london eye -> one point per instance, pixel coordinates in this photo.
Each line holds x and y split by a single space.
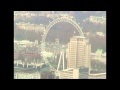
48 27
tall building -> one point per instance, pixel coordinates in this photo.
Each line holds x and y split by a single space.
79 51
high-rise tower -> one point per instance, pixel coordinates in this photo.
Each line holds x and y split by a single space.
79 51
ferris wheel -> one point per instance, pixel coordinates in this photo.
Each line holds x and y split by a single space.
48 27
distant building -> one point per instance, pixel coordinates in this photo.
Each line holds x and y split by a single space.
69 74
79 51
100 34
47 75
32 27
25 43
83 73
97 76
101 20
98 55
27 74
22 43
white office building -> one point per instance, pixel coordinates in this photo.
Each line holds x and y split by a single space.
69 74
79 51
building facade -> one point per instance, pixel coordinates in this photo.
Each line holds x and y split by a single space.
79 51
97 76
83 73
100 57
31 27
69 74
24 75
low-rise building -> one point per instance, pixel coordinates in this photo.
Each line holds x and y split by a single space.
97 76
100 34
69 74
83 73
29 26
27 74
47 75
99 56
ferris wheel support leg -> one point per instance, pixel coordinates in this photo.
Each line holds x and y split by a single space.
59 61
63 60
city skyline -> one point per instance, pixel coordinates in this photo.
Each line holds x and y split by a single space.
38 47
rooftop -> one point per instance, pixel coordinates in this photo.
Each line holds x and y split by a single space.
98 74
70 69
22 41
22 70
78 37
